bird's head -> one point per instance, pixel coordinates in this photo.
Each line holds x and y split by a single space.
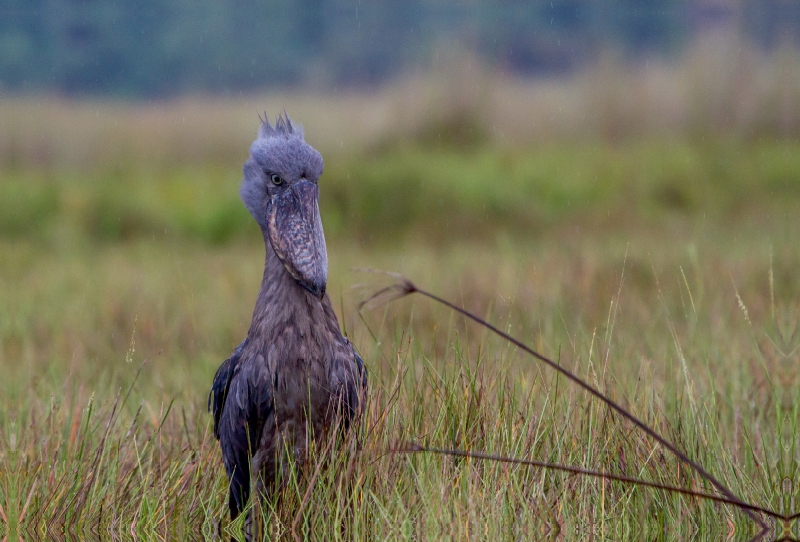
280 190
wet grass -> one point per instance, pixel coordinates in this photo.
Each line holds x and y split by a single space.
660 269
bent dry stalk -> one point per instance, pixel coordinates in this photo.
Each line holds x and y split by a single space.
405 287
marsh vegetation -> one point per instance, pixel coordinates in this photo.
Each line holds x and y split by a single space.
660 264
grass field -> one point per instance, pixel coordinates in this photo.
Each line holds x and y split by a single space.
662 269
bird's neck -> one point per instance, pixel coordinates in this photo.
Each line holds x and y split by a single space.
283 303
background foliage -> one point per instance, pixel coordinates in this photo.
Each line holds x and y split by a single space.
159 48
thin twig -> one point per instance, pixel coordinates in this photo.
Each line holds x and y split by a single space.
416 448
405 287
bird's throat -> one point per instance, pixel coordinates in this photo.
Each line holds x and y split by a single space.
282 301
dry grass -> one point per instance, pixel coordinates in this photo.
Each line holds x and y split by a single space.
688 334
680 301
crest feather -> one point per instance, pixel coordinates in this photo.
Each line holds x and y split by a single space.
283 127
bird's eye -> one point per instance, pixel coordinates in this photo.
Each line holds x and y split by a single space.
277 180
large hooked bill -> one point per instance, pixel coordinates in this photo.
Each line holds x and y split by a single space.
296 236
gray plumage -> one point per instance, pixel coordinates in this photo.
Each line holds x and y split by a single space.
294 372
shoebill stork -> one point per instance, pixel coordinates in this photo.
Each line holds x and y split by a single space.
295 376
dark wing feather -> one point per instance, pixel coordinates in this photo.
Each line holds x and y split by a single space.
248 407
222 382
355 389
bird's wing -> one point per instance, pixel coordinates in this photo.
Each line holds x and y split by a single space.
355 385
248 407
222 383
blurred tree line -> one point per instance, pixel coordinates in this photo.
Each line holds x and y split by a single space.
167 47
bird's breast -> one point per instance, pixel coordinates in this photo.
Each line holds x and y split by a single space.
298 384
